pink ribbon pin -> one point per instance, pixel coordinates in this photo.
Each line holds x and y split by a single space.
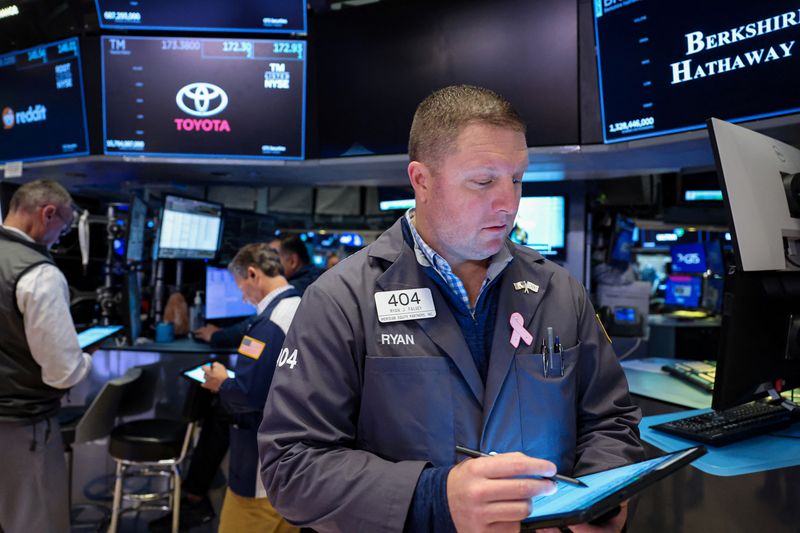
518 325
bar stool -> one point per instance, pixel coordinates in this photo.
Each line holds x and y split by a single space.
153 448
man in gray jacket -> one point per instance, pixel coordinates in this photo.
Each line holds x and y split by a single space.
430 338
39 359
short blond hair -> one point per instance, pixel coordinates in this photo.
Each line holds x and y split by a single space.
442 116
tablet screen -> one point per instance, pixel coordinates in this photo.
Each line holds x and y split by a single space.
197 373
570 499
95 335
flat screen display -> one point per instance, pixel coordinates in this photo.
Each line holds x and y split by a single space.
274 16
190 229
688 258
683 291
223 297
665 67
137 218
195 97
541 224
41 101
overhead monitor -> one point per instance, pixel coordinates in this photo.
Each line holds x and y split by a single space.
541 225
137 219
683 291
189 229
665 67
274 16
42 105
395 198
760 179
211 98
223 297
688 258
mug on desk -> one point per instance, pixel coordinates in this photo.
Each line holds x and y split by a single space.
165 332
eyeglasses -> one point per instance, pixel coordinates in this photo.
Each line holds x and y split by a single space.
67 222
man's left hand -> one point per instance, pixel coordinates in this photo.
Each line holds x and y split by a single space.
215 373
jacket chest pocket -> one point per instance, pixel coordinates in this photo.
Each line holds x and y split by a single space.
548 407
407 409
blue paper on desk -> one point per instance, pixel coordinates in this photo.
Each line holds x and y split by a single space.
756 454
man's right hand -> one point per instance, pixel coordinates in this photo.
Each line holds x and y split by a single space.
486 494
204 334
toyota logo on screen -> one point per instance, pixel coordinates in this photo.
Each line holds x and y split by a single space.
201 99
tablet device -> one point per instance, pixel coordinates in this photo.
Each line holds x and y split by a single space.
196 372
604 491
96 334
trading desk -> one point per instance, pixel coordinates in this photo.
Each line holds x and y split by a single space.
690 501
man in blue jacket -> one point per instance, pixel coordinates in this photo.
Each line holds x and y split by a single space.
257 271
431 338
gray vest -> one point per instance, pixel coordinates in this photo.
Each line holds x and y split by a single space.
24 397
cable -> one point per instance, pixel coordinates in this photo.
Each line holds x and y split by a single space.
633 349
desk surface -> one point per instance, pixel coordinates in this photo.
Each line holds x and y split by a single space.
186 345
658 385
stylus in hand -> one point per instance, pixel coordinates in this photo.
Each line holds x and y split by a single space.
558 477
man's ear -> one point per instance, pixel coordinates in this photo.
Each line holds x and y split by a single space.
419 174
251 272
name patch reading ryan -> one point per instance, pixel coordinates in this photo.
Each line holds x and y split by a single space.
409 304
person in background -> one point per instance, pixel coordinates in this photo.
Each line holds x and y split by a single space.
431 338
257 270
332 261
40 359
296 263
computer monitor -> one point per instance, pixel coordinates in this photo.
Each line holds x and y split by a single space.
760 180
134 242
133 306
683 291
541 225
223 297
760 336
189 229
715 260
623 239
713 291
688 258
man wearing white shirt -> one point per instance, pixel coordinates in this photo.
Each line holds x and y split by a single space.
39 360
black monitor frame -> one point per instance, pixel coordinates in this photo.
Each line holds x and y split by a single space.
130 229
760 338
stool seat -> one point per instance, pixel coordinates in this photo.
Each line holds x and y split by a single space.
147 440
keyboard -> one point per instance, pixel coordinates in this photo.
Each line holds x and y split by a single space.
698 373
719 428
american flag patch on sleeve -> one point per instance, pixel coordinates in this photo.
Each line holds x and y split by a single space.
251 347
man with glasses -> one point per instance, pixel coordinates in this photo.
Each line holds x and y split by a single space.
39 360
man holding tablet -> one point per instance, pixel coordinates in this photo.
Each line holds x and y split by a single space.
40 358
444 333
256 268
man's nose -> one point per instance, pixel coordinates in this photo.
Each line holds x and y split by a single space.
505 196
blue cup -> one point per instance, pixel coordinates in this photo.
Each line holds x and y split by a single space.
165 332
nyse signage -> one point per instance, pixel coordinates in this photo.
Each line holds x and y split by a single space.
204 97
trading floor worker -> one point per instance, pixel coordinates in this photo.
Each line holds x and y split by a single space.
39 360
430 338
296 263
257 271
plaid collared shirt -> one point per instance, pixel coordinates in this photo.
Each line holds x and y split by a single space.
427 256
